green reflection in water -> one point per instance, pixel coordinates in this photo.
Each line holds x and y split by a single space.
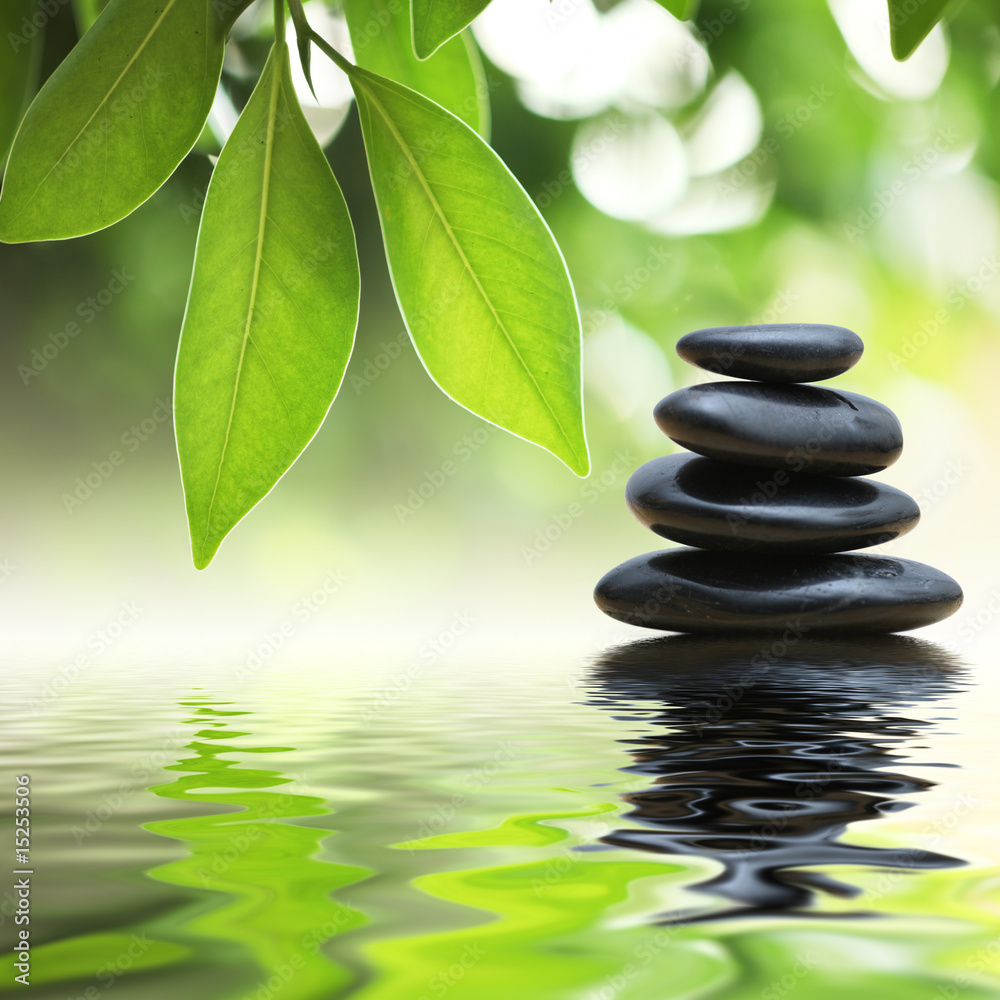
280 907
548 931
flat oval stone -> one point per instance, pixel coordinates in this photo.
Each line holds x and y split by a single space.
776 352
717 505
697 590
798 428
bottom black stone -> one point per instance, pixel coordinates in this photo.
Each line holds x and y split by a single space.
695 590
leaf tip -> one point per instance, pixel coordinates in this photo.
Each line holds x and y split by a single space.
203 554
424 47
581 468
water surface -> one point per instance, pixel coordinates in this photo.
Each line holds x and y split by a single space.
681 817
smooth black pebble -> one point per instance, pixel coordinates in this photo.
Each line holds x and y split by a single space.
781 352
717 505
799 428
697 590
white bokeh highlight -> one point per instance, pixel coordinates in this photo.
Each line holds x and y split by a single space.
865 27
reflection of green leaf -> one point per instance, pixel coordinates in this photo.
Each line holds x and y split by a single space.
910 23
271 314
480 281
435 21
114 120
101 958
453 76
256 861
531 830
18 68
683 10
98 957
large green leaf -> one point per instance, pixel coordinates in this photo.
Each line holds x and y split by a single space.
480 281
683 10
453 76
435 21
271 313
910 23
114 120
18 67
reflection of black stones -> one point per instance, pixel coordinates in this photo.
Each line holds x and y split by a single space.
796 427
781 352
716 505
697 590
757 756
765 537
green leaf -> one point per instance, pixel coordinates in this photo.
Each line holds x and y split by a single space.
683 10
114 120
271 314
480 281
453 76
19 69
908 28
435 21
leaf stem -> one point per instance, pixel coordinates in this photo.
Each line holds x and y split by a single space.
330 52
279 22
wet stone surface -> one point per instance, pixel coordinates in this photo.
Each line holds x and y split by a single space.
718 505
781 352
798 428
698 590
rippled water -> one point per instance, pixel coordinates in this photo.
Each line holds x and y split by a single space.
680 817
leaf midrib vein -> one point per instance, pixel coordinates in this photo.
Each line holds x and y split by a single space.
104 100
439 212
258 258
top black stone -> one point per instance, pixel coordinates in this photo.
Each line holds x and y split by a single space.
777 352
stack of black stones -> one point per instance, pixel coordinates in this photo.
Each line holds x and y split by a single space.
773 498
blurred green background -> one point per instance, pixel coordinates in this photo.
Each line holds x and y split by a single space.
767 161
